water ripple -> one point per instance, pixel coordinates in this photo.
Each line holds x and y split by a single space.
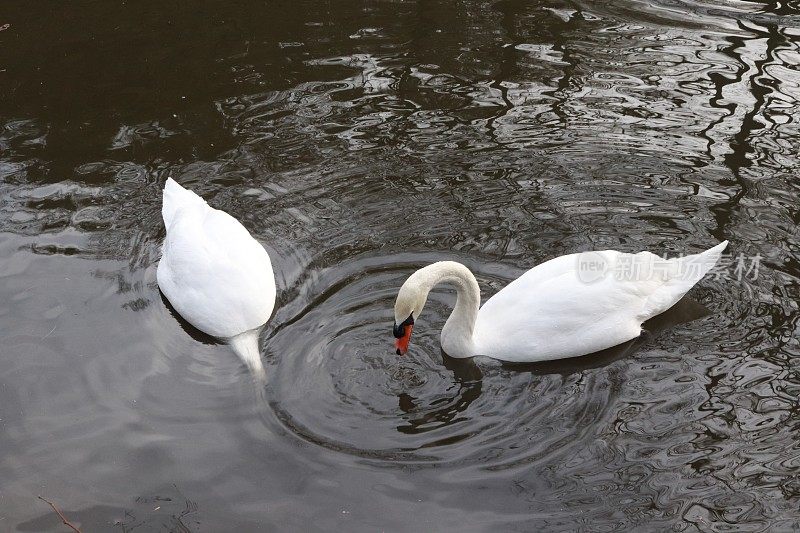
358 144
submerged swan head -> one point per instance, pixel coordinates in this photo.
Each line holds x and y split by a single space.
410 301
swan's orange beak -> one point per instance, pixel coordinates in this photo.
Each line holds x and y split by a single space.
403 334
402 342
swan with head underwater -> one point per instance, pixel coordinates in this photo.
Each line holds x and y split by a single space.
215 274
569 306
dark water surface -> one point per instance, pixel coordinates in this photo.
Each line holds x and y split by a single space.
358 141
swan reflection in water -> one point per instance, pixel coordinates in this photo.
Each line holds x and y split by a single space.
468 376
445 410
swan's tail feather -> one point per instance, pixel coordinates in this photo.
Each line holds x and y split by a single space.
246 347
694 267
176 197
685 273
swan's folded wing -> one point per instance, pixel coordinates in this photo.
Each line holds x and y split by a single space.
215 274
557 310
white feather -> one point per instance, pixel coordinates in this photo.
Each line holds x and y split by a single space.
213 272
555 310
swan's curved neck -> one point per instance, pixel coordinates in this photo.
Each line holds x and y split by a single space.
246 347
457 340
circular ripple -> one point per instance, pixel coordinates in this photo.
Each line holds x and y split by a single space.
337 382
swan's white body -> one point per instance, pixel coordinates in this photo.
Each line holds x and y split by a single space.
214 273
562 308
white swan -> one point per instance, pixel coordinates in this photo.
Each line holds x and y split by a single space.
569 306
214 273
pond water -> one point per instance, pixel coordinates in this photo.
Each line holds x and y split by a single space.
358 141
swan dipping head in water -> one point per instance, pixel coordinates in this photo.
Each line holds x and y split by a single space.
554 310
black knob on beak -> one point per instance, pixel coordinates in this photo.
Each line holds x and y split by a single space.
400 330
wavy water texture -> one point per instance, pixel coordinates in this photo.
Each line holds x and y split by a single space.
359 142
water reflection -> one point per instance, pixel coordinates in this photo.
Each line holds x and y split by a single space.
362 142
441 412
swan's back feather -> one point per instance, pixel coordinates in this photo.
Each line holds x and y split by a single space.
551 312
212 271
